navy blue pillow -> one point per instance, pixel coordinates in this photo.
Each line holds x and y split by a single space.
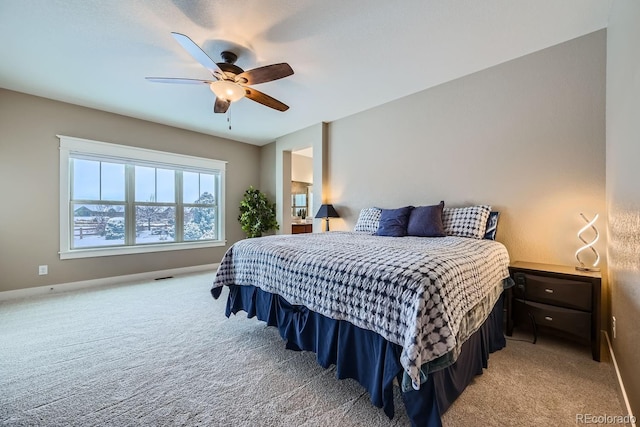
426 221
492 225
393 222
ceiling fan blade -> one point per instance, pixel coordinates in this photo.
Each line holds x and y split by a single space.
197 53
221 106
265 99
180 81
264 74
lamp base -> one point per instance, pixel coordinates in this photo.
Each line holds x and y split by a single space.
592 269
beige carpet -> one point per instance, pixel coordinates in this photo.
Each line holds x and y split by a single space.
161 353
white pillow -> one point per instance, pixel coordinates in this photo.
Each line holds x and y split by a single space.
368 221
466 222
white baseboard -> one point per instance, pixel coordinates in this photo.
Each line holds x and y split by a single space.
65 287
622 389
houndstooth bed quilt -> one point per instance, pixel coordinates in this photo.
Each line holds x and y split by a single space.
420 293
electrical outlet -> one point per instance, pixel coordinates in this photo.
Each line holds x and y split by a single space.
43 269
613 326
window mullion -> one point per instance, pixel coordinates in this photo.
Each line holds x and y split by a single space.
70 219
179 227
99 180
155 184
130 208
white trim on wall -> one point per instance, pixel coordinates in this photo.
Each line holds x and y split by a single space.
115 280
620 383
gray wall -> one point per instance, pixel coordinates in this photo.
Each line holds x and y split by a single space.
29 218
267 170
623 193
526 136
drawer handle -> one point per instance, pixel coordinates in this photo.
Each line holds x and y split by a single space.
549 291
549 318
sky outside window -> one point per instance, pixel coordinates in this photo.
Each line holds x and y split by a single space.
154 185
95 180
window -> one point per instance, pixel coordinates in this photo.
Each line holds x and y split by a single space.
116 200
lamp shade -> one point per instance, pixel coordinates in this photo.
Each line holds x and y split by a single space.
327 211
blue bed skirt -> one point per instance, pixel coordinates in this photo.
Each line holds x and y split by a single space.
367 357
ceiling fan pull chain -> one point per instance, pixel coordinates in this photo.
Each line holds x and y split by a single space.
229 119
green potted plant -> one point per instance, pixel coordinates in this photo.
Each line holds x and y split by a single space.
257 214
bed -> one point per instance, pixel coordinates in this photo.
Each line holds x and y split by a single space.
423 312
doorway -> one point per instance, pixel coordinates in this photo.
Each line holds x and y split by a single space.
302 209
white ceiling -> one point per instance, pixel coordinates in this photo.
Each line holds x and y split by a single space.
348 56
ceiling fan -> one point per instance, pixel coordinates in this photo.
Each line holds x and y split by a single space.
231 83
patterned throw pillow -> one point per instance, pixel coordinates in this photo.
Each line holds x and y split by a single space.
466 222
368 221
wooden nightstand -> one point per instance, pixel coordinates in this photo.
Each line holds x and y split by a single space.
558 299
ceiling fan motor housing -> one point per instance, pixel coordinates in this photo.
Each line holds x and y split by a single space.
228 66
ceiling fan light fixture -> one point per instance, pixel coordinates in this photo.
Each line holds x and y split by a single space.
225 89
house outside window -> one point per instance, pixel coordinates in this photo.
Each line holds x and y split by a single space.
116 199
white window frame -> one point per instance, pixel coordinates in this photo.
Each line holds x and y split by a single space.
69 145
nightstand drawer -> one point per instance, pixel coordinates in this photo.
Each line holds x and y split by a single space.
574 322
552 290
301 228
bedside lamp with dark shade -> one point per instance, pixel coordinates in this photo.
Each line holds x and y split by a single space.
326 212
